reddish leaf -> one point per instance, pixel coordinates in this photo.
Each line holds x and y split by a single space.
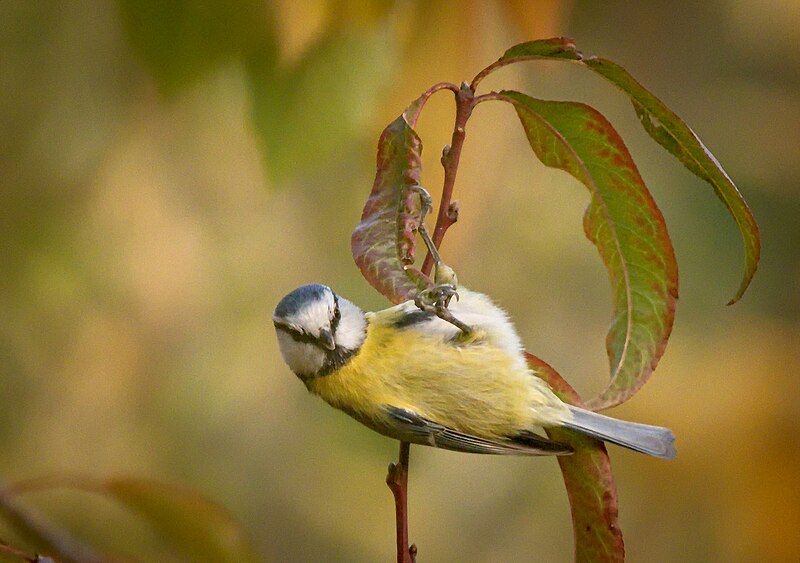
589 482
624 223
665 127
383 242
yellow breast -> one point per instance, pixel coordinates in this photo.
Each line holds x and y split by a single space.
470 386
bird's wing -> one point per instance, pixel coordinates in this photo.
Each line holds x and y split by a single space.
411 427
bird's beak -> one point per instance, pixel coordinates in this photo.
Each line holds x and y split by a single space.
326 339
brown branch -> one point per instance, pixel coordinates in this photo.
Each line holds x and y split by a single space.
397 479
448 211
5 548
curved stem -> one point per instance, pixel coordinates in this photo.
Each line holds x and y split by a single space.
499 63
491 96
427 94
486 72
441 86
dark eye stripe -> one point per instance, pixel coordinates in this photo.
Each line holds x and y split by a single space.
297 335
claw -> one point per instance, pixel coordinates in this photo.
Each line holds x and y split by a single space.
436 300
437 297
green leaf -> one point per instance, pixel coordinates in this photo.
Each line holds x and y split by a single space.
554 48
383 242
625 225
315 111
180 41
666 128
673 134
589 482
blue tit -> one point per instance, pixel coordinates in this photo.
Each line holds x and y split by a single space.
413 376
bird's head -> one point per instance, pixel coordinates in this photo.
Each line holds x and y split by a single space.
318 331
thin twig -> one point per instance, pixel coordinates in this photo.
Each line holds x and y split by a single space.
397 479
426 96
448 211
5 548
48 538
488 70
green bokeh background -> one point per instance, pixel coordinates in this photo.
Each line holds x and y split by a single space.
169 170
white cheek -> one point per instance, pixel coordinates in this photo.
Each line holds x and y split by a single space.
302 358
352 327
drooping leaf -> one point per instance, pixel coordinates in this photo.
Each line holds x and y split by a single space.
625 225
669 130
384 240
673 134
180 41
315 110
190 524
589 482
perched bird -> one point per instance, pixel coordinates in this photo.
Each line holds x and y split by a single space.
449 375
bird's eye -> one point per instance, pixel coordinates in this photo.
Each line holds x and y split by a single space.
337 314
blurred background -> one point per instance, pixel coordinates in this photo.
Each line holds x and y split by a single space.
170 170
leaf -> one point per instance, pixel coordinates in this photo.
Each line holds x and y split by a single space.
589 482
181 41
673 134
383 242
625 225
669 130
192 525
315 111
554 48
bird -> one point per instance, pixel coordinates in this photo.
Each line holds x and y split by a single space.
438 372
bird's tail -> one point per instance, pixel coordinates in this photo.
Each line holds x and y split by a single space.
653 440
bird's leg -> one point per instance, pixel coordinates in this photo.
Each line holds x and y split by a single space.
437 298
443 274
426 206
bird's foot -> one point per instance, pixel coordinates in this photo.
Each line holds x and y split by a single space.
436 300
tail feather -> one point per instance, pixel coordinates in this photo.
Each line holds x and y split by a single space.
653 440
